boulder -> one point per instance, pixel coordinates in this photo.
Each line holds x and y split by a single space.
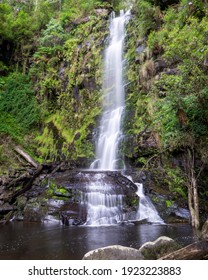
155 249
115 252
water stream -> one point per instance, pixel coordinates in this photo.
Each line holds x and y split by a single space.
105 207
146 210
110 131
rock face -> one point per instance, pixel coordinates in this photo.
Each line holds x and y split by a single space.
62 196
115 252
161 246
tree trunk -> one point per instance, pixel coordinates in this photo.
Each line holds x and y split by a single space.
26 157
193 199
195 251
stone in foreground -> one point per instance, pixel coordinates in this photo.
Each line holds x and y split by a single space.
115 252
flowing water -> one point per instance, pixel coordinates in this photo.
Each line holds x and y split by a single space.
103 206
110 131
146 209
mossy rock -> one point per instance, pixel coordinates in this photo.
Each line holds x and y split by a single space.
158 248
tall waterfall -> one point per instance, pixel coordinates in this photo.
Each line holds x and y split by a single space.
113 104
105 205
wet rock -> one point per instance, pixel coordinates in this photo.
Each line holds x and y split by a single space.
6 207
172 213
34 212
161 246
73 214
115 252
21 202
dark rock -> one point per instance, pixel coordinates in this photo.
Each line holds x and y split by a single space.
73 214
160 64
115 252
163 4
33 212
21 202
81 20
5 208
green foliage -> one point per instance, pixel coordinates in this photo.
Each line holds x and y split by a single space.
180 99
53 34
176 181
55 191
70 101
148 17
18 106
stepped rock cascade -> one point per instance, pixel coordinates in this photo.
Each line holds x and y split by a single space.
104 203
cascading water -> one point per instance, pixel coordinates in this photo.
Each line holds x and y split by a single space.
146 210
105 207
104 204
113 104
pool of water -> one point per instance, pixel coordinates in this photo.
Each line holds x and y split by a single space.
33 241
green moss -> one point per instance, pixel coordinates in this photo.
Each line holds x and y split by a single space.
57 192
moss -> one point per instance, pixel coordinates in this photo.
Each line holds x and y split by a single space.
159 251
71 100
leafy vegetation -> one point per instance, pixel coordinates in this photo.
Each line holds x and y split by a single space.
167 54
18 107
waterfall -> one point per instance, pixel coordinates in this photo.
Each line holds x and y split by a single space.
110 131
104 204
146 210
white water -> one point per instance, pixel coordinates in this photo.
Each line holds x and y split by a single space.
146 210
103 206
110 132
